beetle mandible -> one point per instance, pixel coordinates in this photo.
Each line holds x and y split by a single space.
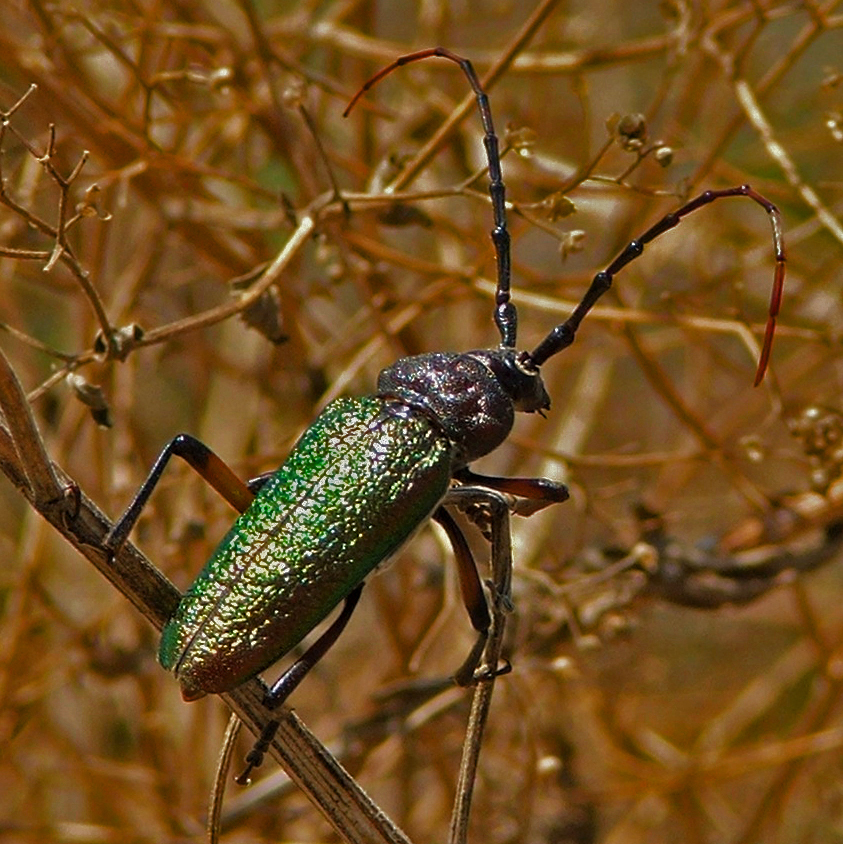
368 472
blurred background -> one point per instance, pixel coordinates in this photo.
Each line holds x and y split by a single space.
211 130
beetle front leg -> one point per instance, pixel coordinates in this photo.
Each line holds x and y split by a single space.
542 491
287 683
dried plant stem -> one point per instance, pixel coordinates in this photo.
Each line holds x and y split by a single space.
501 558
24 460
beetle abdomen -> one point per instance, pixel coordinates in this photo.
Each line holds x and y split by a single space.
359 481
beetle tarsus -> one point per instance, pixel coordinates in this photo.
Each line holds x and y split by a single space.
254 758
466 674
489 673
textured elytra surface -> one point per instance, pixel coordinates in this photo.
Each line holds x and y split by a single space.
358 483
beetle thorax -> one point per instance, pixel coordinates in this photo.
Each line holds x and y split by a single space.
472 396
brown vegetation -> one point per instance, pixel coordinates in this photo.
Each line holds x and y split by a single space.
169 152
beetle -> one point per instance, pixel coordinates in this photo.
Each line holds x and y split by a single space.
369 472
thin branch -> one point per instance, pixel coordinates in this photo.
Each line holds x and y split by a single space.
501 605
61 251
753 112
23 458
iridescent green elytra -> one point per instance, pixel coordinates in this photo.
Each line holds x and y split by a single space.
361 479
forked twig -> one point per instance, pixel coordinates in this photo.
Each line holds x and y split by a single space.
61 250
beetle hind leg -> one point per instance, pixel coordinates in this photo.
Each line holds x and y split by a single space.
287 683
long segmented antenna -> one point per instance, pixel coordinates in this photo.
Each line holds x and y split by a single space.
506 316
563 335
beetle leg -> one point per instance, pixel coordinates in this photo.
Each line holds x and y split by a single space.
286 684
199 457
256 484
541 490
472 594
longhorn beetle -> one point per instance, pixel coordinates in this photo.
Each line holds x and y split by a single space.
368 472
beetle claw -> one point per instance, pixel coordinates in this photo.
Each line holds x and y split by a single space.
254 758
488 673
